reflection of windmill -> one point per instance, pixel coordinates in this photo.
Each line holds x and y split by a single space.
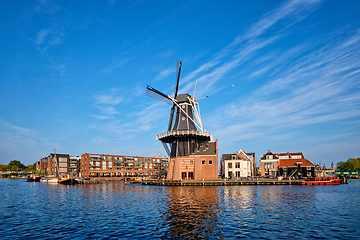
186 136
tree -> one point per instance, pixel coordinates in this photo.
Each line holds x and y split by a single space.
351 164
342 166
15 165
31 167
3 167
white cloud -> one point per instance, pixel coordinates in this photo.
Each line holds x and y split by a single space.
41 36
165 73
111 97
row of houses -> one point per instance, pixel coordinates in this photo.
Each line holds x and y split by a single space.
233 166
104 165
242 164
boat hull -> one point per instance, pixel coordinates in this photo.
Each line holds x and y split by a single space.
321 181
68 181
33 179
53 180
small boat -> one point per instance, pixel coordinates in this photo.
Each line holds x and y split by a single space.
321 181
33 178
44 179
67 180
52 180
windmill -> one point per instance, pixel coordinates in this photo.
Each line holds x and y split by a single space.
186 135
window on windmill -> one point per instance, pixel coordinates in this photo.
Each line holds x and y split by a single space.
183 118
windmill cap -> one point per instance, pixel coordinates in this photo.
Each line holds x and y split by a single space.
181 98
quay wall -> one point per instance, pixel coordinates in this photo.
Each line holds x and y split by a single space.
165 182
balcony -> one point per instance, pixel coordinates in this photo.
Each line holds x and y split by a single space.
184 133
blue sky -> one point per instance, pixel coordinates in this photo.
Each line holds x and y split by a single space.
279 75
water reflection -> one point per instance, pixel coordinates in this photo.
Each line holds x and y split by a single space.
192 213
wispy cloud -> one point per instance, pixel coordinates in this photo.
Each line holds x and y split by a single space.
111 97
106 102
251 42
116 64
41 36
165 73
318 89
135 123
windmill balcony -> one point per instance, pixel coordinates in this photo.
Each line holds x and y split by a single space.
183 133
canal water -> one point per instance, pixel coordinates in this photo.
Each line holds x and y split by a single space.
117 211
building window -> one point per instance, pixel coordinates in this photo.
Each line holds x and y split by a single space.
210 162
203 162
269 165
191 162
308 168
62 159
229 165
182 162
237 165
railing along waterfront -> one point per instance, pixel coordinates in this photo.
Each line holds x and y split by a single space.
183 132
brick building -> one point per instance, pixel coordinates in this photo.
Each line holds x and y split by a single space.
286 165
122 167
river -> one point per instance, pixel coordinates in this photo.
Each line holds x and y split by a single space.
114 210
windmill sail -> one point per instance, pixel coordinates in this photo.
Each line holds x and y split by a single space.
183 137
175 95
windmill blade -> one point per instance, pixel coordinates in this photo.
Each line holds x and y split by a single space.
175 95
152 92
177 80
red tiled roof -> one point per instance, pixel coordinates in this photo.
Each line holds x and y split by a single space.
293 162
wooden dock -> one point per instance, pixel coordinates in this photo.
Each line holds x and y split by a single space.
165 182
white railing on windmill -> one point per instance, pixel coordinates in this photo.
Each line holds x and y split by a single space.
154 93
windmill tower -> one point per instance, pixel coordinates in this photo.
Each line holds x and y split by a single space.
192 151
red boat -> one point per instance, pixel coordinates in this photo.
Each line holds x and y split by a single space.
33 179
321 181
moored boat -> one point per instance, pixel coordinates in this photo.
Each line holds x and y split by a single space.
33 178
65 179
52 180
321 181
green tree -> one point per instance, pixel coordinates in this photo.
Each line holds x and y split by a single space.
351 164
3 167
354 163
342 166
16 165
31 167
